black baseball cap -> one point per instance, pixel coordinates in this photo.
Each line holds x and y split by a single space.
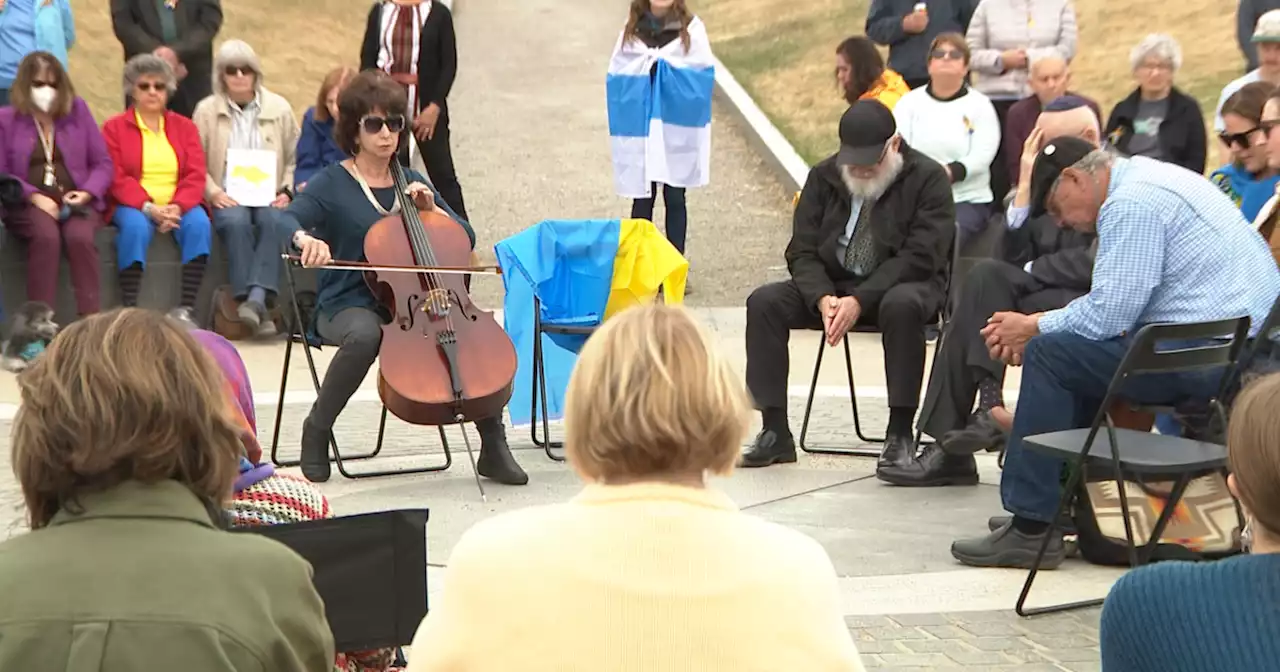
864 129
1056 156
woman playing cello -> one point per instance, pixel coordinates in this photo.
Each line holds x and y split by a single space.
330 219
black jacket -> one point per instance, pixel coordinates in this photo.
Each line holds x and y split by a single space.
1181 133
437 54
137 25
1059 256
913 223
909 54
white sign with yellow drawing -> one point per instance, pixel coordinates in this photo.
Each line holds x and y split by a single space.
251 177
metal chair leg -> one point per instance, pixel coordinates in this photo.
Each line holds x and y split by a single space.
1067 494
853 404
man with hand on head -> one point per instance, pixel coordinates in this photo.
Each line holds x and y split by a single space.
1050 79
871 239
1171 248
1043 266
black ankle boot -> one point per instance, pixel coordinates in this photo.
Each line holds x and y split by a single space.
315 452
496 462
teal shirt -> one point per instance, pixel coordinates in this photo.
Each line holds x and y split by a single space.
334 209
1195 617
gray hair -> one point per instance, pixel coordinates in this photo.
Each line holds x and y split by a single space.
143 65
235 52
1159 46
1092 163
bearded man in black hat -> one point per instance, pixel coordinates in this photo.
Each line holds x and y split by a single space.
871 238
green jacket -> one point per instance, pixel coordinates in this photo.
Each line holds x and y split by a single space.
141 579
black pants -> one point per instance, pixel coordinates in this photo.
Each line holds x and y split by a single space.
774 310
438 156
677 222
358 334
990 287
1000 177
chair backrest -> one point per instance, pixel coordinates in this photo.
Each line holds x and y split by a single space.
370 570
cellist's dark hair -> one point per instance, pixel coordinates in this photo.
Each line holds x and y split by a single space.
368 91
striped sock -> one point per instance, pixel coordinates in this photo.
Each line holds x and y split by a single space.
192 275
130 284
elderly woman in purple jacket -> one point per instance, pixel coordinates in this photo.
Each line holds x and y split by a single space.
51 144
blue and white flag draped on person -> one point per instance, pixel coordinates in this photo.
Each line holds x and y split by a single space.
660 113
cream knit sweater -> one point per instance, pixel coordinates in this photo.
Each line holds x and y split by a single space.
636 578
963 130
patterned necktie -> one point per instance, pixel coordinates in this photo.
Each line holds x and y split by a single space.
860 253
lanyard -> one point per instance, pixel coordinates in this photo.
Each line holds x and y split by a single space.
46 143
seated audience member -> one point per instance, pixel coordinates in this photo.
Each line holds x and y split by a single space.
243 115
1157 120
1044 266
648 568
1225 610
51 145
159 181
957 127
870 244
861 74
316 147
1171 248
260 495
1266 39
1248 179
124 460
1270 212
1050 78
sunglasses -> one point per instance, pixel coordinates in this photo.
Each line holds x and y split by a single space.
151 86
947 54
234 70
1240 140
1267 124
373 125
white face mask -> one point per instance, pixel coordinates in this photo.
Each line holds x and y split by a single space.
43 97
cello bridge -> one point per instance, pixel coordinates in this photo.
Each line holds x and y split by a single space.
437 303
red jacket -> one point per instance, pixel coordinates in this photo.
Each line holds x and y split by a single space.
124 143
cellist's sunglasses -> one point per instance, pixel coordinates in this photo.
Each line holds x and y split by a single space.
373 125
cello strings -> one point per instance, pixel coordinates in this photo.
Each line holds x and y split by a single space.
422 244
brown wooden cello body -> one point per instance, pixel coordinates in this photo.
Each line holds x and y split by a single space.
442 359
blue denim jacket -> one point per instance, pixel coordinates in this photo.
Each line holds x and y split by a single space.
51 29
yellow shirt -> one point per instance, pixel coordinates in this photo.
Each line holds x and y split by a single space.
159 163
635 578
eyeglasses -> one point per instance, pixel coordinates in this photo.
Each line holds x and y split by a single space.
37 83
1241 140
1267 124
234 70
151 86
1162 66
373 125
947 54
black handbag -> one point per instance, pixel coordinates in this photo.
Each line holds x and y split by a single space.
370 570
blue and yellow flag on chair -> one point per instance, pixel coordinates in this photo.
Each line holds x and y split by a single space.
582 272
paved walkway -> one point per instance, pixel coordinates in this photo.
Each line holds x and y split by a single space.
531 143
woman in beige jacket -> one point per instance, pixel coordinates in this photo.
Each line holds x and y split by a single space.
250 136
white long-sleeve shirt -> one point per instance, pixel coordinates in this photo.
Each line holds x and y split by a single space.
962 130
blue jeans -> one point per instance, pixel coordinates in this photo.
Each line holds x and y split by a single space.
136 229
253 256
677 214
1064 378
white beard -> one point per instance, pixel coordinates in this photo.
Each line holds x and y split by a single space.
872 188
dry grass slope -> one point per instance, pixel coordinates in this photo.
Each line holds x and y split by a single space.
783 52
297 40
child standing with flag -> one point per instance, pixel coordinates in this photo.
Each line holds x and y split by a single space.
659 92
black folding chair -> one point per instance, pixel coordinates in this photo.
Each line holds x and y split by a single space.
944 317
297 332
1143 454
370 570
540 378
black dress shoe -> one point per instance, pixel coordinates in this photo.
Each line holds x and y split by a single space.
898 451
933 468
982 433
496 462
770 447
315 452
1007 547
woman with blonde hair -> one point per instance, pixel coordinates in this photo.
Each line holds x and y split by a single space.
648 568
125 454
1213 615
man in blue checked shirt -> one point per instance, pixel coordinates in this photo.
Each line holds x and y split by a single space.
1171 248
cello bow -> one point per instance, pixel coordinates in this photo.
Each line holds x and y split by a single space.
339 265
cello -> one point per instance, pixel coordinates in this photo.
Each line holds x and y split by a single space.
442 360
